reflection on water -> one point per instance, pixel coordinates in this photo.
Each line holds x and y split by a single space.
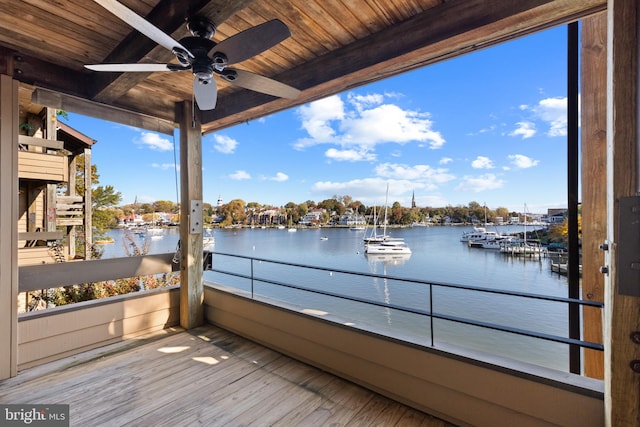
437 256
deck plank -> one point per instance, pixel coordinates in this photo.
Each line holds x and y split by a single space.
206 376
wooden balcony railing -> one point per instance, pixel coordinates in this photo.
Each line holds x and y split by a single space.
42 159
69 210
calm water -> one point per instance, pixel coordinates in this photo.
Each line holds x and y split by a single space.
438 256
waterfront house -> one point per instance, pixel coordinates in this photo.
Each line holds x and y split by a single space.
334 46
313 217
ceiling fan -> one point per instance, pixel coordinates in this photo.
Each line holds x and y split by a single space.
206 58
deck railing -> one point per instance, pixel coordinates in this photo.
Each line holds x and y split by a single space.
432 305
427 308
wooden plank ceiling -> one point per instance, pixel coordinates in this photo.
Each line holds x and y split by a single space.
335 45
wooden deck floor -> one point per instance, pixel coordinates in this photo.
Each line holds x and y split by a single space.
207 376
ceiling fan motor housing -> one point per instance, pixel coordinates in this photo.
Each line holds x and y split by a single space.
201 65
201 27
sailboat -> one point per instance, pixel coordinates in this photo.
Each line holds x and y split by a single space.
384 244
154 231
374 237
522 247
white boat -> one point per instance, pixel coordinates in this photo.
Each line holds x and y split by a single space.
383 244
208 242
476 233
387 247
521 248
374 237
497 244
155 231
486 239
292 230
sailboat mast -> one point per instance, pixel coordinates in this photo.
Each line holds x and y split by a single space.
525 225
386 204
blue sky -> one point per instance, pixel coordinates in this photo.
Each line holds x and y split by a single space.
488 127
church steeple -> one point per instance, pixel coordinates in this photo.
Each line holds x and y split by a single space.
413 200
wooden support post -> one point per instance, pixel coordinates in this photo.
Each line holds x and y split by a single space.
191 274
71 230
8 227
594 181
88 203
622 311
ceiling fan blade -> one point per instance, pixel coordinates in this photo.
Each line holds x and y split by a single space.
206 94
259 83
141 24
253 41
148 68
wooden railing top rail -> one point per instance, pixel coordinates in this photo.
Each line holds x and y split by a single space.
40 142
40 235
34 277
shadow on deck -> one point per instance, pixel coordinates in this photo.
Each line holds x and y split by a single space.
206 376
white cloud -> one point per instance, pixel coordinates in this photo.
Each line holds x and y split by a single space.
349 155
154 142
362 101
224 144
280 177
361 124
403 181
423 174
525 129
316 118
368 190
480 183
164 166
389 123
445 160
482 162
554 112
240 175
522 162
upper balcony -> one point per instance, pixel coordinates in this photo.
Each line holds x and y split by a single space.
42 160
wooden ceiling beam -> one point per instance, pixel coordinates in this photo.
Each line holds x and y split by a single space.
442 32
37 72
89 108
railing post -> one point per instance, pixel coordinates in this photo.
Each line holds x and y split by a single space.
251 278
431 311
573 272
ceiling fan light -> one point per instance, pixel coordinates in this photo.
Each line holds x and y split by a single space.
204 78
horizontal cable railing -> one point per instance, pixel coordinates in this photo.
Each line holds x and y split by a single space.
254 278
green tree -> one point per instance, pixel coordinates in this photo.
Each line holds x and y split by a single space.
396 213
104 200
79 175
165 206
332 205
233 212
503 213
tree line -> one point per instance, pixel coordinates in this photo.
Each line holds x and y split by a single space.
237 211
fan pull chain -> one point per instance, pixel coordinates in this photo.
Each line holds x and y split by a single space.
193 110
